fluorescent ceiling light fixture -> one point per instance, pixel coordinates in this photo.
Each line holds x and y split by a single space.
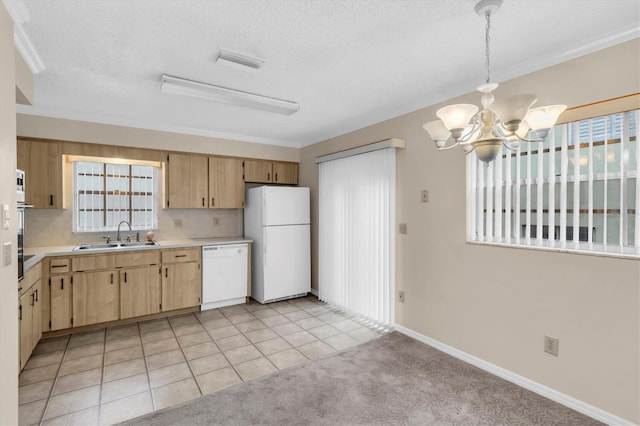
239 61
181 86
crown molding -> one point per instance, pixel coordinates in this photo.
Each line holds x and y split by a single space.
20 14
160 127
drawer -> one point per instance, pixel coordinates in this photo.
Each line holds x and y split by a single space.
59 265
91 263
138 258
181 255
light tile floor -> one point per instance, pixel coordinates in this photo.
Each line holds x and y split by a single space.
114 374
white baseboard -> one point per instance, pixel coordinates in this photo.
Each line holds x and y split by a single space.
554 395
314 292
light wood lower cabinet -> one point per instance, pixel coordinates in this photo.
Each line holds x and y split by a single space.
29 316
60 308
181 285
140 292
96 297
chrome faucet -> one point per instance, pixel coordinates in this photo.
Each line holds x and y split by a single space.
118 234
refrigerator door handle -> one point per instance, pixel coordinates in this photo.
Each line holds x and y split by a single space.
264 250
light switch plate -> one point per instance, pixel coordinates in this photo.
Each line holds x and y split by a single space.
6 254
6 217
403 228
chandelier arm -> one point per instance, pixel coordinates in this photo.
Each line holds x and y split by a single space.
446 148
466 137
525 139
509 147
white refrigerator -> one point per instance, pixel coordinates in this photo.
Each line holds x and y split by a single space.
276 218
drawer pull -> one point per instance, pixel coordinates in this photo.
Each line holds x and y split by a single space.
59 266
181 255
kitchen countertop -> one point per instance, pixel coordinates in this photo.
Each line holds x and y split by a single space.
41 252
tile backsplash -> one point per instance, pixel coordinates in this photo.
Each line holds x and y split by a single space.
53 227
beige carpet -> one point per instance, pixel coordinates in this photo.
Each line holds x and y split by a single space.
391 380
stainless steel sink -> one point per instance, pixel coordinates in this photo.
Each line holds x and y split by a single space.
115 245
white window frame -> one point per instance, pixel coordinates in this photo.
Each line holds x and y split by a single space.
495 226
153 209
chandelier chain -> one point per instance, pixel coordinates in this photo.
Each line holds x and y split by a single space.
487 49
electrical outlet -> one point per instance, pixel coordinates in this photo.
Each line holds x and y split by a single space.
401 296
424 196
216 221
551 345
403 228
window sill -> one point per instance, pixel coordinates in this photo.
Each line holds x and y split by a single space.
568 247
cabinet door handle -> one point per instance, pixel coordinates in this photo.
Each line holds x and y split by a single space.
269 176
276 177
202 201
166 272
112 278
125 277
213 201
51 199
61 283
20 312
33 299
36 293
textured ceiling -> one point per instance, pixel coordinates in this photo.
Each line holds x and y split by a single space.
348 63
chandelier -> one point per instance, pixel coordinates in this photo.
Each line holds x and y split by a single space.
501 122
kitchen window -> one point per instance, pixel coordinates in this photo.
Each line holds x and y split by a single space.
106 193
574 191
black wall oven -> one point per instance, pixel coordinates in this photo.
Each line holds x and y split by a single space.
21 258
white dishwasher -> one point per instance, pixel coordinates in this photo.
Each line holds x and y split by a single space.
224 275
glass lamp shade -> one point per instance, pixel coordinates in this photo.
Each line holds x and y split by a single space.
513 107
487 150
457 116
437 131
544 117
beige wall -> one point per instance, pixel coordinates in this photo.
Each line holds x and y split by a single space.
24 81
498 303
8 274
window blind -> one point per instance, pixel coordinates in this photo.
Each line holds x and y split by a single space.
576 189
356 235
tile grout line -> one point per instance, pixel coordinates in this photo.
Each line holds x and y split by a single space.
146 367
104 357
193 376
55 380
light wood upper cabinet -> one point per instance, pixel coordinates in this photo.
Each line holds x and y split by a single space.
187 181
259 171
263 171
96 297
285 173
42 163
226 183
139 291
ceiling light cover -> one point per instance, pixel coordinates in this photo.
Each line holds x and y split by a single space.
239 61
180 86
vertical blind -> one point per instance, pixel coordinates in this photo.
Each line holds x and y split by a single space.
576 189
356 238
